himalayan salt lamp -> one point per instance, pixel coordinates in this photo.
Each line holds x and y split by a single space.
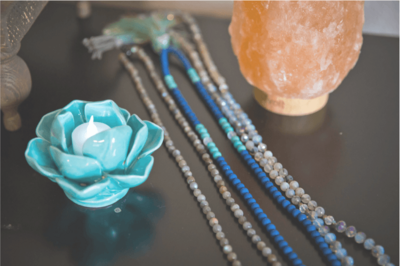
296 52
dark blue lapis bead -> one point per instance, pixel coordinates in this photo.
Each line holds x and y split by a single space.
285 203
254 206
244 190
261 216
283 244
301 217
290 208
251 201
280 198
247 196
240 186
266 222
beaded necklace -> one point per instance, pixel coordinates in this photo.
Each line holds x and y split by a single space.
272 190
234 207
264 157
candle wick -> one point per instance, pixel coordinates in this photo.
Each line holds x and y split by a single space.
91 129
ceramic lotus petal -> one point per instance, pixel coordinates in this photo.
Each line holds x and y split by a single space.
113 160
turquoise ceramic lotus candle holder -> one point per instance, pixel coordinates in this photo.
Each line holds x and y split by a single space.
113 160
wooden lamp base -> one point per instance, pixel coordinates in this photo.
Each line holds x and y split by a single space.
291 107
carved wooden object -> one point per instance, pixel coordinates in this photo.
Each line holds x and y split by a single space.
16 19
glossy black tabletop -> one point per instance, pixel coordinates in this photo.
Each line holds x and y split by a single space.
346 156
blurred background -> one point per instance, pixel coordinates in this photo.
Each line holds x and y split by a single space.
381 17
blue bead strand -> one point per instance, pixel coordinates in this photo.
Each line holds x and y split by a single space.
271 189
229 174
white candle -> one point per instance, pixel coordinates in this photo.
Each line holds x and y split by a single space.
85 131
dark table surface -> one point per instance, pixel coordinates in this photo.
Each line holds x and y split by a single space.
345 156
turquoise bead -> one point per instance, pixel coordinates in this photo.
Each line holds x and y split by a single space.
235 138
216 155
204 135
229 129
236 144
211 144
202 130
222 120
213 149
199 126
170 82
193 75
241 148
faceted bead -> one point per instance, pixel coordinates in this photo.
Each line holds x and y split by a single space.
383 259
197 192
303 208
217 228
320 211
279 180
272 258
284 186
318 222
290 193
340 226
296 200
258 156
263 162
213 221
360 237
277 166
272 160
235 207
329 220
273 174
348 261
244 138
377 251
268 154
210 215
250 145
351 231
283 172
294 185
330 238
289 178
268 168
312 215
262 147
257 139
341 253
299 191
323 230
312 205
193 185
369 243
336 245
305 198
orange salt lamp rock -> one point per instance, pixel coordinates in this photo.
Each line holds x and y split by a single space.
296 53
